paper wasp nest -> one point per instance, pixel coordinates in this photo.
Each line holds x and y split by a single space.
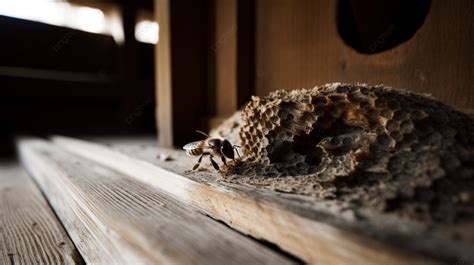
371 146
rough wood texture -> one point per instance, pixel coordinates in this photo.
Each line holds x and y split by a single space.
314 231
118 220
30 233
298 46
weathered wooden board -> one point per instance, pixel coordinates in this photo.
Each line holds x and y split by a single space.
115 219
314 231
30 233
298 46
164 106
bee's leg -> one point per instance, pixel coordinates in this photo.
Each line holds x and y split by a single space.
198 163
214 164
235 148
223 160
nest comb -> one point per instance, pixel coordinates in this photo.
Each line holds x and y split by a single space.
374 146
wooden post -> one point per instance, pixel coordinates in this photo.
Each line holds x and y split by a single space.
225 49
232 56
204 64
181 65
163 76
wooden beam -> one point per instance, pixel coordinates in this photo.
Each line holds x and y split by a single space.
231 57
164 94
30 233
317 232
181 68
225 49
115 219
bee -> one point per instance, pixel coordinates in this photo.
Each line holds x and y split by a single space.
213 147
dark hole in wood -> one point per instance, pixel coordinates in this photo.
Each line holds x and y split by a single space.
372 26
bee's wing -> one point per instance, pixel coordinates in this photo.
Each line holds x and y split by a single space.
192 145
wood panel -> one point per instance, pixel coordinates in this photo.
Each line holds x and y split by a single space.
30 233
115 219
298 46
225 52
164 106
317 232
231 58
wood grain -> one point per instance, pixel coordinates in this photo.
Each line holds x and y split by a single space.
231 57
30 233
128 222
164 106
225 51
317 232
298 46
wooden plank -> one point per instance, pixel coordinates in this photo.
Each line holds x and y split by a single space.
231 58
317 232
225 52
118 220
163 93
30 233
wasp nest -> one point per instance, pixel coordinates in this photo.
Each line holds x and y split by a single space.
372 146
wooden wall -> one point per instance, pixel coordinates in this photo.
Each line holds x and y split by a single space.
298 46
204 64
214 54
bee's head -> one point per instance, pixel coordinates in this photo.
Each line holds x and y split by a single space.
227 149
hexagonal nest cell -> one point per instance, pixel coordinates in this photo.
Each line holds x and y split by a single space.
370 146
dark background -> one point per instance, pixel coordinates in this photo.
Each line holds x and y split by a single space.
60 80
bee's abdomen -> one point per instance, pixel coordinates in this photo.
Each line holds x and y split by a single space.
194 152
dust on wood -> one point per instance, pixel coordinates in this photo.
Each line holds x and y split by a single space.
30 233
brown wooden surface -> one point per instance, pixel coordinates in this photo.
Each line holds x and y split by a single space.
205 57
231 57
115 219
298 46
225 52
30 233
163 94
315 231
